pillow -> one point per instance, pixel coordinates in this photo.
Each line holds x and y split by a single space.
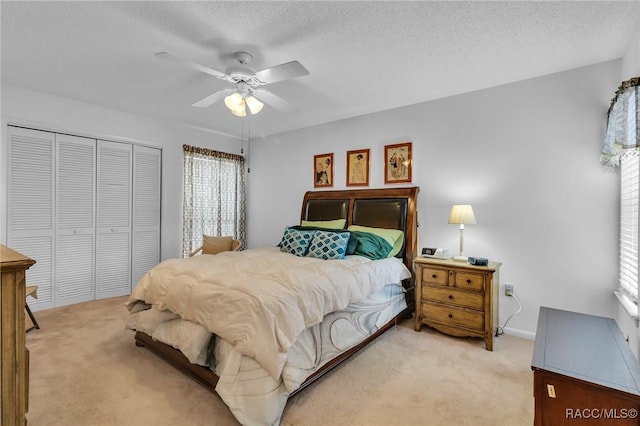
215 245
395 237
370 245
296 241
353 240
329 224
329 245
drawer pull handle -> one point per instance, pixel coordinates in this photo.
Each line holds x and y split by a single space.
434 276
468 281
451 296
450 315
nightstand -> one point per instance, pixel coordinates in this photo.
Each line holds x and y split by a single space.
457 298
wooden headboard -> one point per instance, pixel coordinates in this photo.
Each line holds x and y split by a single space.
392 208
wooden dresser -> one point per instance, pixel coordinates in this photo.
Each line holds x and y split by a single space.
583 371
457 298
14 370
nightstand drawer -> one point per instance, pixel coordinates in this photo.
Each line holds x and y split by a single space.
435 276
470 281
444 295
451 315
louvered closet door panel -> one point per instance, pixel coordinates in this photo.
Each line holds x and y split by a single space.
40 248
30 206
147 168
74 269
113 249
75 216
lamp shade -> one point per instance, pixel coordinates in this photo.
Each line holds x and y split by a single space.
240 112
255 106
462 214
234 101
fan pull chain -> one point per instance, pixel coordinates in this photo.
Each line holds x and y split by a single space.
249 150
242 136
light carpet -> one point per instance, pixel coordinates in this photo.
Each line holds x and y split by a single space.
86 370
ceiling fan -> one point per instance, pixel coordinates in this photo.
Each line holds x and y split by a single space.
246 83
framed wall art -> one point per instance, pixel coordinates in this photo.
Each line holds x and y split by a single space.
323 170
397 163
358 167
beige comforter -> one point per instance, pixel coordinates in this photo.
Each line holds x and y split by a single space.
260 300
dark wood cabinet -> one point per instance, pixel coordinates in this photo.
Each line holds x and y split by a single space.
584 371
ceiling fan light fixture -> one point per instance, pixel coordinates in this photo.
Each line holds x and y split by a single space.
255 106
234 101
240 111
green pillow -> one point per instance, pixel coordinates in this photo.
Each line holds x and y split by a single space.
328 224
370 245
394 237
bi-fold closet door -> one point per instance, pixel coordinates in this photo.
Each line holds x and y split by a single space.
113 249
71 207
75 165
31 206
145 242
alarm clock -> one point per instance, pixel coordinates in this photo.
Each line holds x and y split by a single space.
437 253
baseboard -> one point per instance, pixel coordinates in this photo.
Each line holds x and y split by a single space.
520 333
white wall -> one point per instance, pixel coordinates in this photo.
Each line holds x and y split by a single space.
46 112
631 59
525 155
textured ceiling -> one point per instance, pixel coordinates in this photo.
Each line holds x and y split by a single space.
362 56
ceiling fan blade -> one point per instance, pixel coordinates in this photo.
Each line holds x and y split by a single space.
173 58
273 100
281 72
213 98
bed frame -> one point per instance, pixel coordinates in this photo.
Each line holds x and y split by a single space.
393 208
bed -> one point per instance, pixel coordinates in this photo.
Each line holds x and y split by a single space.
253 375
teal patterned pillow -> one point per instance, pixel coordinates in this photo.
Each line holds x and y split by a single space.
329 245
296 242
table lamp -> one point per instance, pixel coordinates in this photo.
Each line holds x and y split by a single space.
462 214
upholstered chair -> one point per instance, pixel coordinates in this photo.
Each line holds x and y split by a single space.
215 245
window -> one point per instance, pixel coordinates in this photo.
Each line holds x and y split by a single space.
620 150
629 179
214 196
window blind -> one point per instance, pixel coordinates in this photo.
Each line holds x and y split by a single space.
629 187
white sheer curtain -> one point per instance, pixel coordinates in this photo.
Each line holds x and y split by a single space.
622 136
214 196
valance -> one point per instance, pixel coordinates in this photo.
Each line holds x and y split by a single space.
622 136
212 153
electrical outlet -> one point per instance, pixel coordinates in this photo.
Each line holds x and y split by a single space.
508 289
